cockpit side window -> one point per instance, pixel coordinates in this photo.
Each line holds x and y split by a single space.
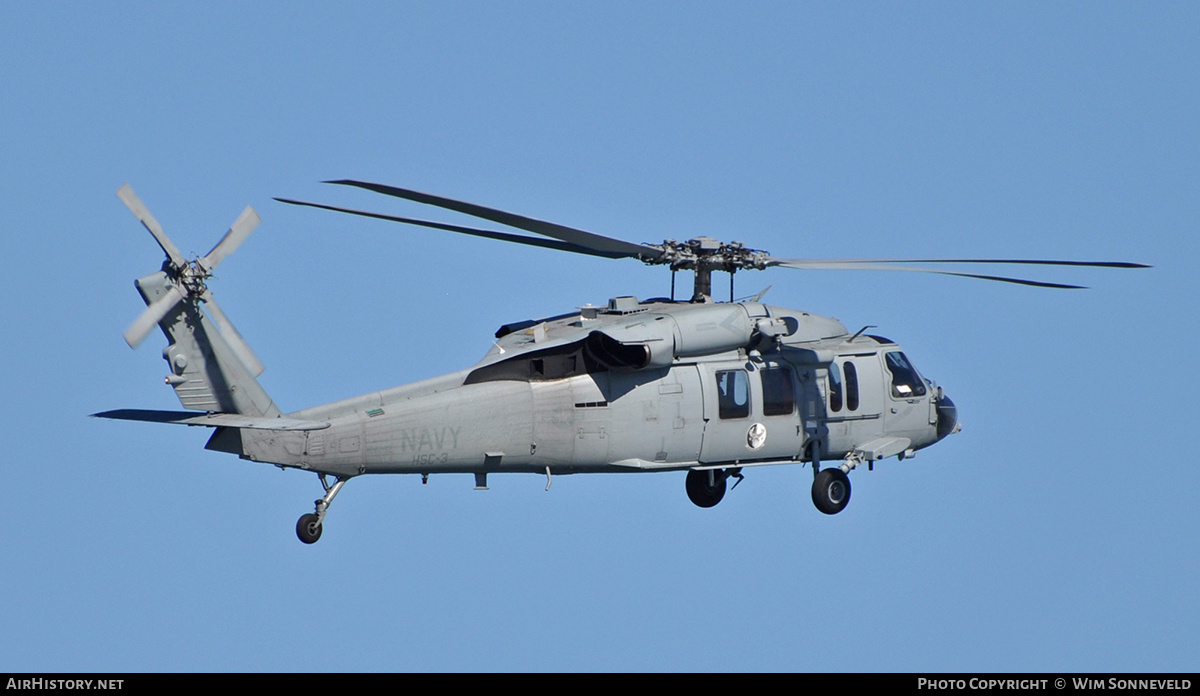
733 394
835 388
905 380
851 386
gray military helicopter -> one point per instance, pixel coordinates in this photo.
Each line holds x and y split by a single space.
706 387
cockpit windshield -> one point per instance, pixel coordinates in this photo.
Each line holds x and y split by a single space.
906 382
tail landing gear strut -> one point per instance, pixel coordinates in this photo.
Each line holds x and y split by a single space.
308 527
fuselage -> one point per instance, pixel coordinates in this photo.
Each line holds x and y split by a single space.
656 385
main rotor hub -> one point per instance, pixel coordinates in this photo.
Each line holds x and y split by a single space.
703 255
708 254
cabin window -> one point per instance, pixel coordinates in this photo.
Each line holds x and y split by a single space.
778 399
733 394
905 380
851 387
835 388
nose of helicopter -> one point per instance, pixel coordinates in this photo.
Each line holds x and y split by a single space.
947 417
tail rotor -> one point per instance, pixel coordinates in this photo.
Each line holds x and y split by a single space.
186 281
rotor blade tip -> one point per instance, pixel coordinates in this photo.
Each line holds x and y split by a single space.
134 336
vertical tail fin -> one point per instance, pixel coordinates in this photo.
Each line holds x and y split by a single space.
206 370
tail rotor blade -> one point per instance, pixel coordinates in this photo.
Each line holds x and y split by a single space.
237 234
141 327
235 340
142 213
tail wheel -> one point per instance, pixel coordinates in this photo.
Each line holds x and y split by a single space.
308 528
831 491
706 488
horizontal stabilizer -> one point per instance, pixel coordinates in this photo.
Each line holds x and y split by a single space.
213 420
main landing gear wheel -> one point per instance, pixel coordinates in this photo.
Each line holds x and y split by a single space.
706 488
308 528
831 491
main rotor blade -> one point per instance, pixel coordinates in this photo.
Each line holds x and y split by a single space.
502 236
141 327
873 266
237 234
142 213
588 240
235 340
1028 262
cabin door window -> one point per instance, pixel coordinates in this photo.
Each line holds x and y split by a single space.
733 394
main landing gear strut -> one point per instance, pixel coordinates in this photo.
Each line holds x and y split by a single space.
308 527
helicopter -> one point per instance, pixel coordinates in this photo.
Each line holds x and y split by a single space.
659 385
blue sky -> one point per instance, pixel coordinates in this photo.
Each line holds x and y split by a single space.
1057 532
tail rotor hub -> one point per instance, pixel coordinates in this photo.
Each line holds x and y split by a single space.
192 277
